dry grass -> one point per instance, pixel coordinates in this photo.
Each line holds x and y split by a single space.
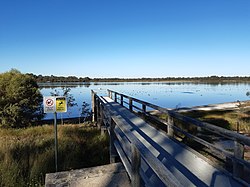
27 154
236 120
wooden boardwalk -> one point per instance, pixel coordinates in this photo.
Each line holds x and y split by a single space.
187 167
153 157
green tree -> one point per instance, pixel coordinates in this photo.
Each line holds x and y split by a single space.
20 100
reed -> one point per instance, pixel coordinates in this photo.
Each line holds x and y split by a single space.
26 155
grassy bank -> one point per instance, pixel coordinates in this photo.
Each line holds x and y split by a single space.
27 154
236 120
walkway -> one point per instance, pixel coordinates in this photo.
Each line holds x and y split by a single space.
188 167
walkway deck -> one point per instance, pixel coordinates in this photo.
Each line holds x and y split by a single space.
112 175
189 168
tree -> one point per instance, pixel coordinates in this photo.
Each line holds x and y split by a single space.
20 100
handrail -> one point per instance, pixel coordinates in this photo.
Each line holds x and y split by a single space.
138 149
218 130
240 140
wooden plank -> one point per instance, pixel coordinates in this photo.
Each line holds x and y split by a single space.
238 168
190 160
161 171
125 145
94 112
218 130
123 158
135 163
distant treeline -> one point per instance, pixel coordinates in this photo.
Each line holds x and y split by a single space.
52 78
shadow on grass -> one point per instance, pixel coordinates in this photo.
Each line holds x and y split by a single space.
220 122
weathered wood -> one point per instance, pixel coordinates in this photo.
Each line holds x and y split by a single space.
212 128
125 144
130 104
161 171
136 163
112 150
218 130
238 168
144 108
170 126
115 97
110 94
98 111
136 107
143 102
240 138
94 112
121 100
127 155
124 158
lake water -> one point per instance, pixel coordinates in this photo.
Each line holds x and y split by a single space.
164 94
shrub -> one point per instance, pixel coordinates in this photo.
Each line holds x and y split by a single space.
20 100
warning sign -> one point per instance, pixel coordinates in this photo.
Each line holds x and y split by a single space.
61 104
49 104
54 104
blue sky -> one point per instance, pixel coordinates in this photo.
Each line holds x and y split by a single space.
126 38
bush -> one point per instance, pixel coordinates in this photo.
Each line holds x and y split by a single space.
20 100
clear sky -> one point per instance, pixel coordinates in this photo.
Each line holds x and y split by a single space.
126 38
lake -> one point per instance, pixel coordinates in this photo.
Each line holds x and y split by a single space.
164 94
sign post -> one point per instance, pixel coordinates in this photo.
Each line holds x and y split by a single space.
56 141
54 104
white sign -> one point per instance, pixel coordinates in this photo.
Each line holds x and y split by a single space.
49 104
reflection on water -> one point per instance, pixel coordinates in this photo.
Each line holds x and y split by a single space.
165 94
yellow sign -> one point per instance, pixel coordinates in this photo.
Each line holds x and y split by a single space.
61 104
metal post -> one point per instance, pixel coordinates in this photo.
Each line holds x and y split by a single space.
56 143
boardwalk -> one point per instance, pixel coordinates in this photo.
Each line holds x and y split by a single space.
152 157
158 158
187 167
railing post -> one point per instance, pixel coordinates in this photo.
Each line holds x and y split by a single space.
115 97
238 153
94 112
144 108
130 104
121 100
99 112
112 150
170 128
102 120
136 163
110 94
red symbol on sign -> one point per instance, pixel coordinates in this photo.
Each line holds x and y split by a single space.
49 102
